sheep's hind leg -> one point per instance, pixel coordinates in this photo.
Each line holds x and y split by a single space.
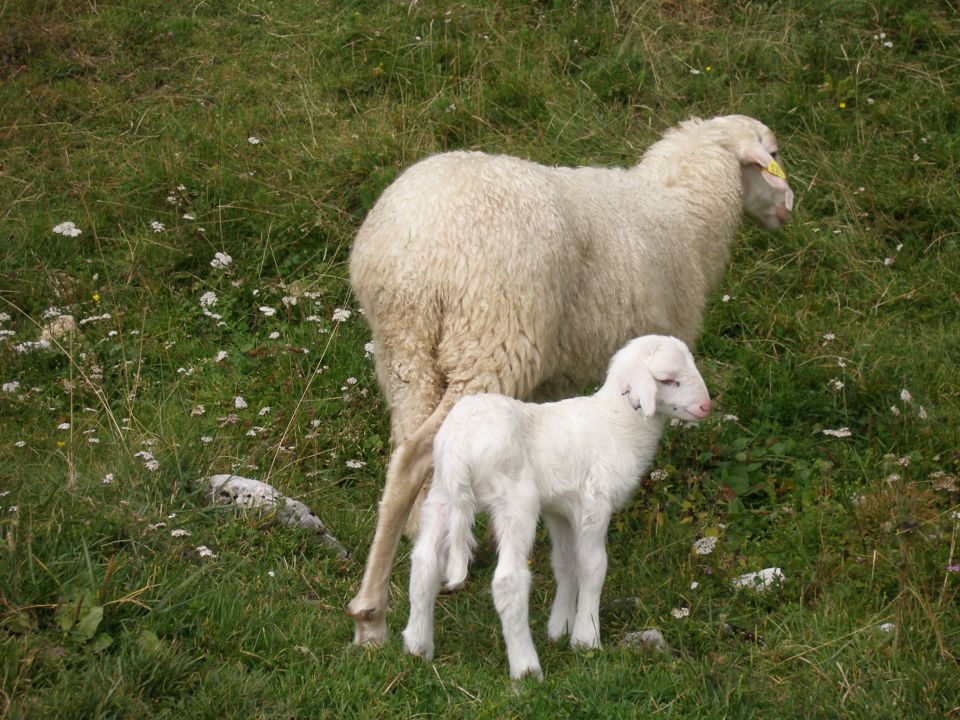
408 468
564 561
516 527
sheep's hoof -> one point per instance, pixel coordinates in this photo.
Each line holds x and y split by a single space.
370 626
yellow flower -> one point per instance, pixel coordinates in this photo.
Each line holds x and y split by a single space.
708 68
60 443
843 105
96 297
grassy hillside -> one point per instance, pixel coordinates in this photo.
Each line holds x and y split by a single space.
168 132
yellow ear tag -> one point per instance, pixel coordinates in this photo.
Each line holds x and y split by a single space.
774 169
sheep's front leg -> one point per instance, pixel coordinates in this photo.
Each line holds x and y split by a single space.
564 560
425 570
515 527
591 571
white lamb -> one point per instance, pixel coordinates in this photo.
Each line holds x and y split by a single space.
487 273
576 461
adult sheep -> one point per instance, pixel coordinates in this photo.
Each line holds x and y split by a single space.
487 273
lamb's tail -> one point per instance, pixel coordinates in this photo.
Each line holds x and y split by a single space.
462 508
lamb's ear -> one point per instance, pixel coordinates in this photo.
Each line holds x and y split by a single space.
641 390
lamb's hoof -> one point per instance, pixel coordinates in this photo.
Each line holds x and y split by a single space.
419 647
530 671
590 642
557 631
370 626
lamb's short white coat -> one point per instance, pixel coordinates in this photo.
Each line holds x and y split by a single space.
488 273
576 461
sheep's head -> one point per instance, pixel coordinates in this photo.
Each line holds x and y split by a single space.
767 197
657 374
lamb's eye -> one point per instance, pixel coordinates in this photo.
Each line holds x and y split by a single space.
774 154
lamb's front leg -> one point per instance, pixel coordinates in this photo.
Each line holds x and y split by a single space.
564 560
515 528
591 571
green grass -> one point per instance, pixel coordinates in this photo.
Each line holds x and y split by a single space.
115 116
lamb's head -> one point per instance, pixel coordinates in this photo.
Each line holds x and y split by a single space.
657 374
767 197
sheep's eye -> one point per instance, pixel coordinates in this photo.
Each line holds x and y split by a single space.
774 154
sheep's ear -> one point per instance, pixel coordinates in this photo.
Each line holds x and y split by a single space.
756 154
641 390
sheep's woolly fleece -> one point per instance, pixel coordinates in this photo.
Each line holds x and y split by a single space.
246 493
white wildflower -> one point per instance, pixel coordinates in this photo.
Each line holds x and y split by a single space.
694 585
220 356
895 410
206 552
179 532
843 432
239 403
208 299
198 410
340 315
206 439
264 411
836 384
730 418
659 475
11 387
108 478
253 140
63 426
725 298
905 395
680 612
67 228
705 545
922 413
156 226
274 335
355 464
4 317
95 318
268 311
220 261
887 627
20 443
288 300
368 349
189 216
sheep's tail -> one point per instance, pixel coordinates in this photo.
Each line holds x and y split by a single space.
462 509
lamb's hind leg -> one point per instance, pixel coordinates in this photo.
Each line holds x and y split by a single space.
515 524
426 562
